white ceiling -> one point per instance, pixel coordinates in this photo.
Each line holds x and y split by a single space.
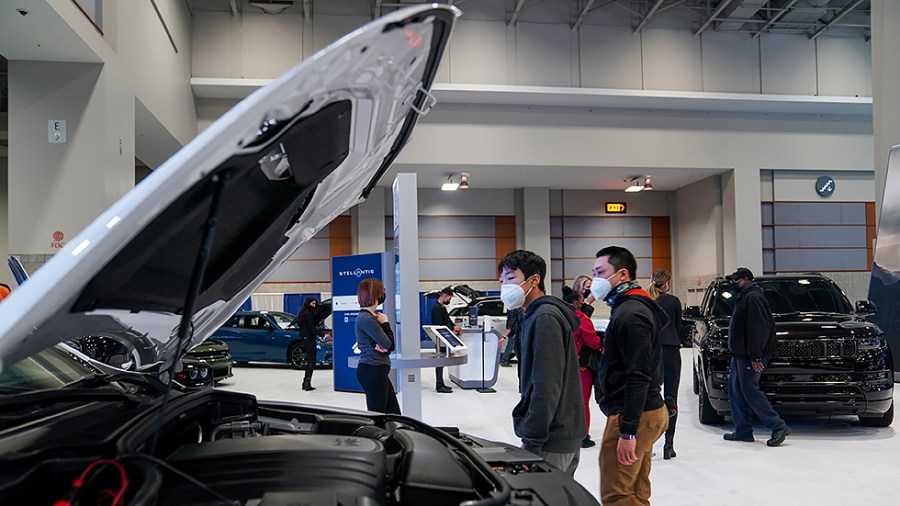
40 35
556 177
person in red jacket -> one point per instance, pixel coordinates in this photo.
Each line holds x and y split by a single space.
585 335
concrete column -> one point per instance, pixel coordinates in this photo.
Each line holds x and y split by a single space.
367 224
741 220
535 211
5 275
58 188
885 95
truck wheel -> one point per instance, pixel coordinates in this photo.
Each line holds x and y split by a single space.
708 415
696 381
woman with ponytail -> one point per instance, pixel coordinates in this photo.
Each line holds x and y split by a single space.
585 337
660 284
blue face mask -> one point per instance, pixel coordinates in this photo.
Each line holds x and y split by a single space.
513 296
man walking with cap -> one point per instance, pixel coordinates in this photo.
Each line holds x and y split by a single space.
751 341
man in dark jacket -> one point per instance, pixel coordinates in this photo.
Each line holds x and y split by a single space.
549 418
751 341
628 380
440 316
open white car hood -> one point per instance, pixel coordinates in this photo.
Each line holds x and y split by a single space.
278 167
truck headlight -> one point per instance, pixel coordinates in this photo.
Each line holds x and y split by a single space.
871 343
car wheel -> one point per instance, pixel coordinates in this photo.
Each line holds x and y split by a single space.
296 357
708 415
884 420
696 381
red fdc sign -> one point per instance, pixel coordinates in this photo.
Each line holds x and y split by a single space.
615 208
58 237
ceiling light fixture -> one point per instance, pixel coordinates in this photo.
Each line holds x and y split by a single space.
647 185
450 186
635 185
464 181
272 6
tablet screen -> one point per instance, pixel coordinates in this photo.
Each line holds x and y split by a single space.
450 337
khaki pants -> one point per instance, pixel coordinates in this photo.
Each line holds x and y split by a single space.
629 485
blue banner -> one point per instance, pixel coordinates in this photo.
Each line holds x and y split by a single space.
346 273
294 301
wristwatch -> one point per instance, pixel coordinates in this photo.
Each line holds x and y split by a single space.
627 436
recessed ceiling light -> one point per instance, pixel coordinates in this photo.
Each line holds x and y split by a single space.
450 186
635 185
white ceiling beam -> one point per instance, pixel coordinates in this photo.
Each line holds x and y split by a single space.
649 15
515 16
584 13
837 17
774 19
722 6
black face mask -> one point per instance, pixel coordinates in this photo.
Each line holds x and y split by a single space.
586 293
382 298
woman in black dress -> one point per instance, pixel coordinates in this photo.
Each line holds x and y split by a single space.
306 322
660 284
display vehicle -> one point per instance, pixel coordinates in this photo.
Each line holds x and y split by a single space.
174 259
270 336
830 360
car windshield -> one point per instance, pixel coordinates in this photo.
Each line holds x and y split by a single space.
788 296
283 320
48 369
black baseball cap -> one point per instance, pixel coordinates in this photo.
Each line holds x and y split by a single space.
739 273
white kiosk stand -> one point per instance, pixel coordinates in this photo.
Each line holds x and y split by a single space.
480 371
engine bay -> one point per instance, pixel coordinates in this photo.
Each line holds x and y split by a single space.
220 447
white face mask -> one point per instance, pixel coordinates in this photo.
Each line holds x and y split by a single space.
513 296
600 287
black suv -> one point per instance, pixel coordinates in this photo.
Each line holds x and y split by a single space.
830 360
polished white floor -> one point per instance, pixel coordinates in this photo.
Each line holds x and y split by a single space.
825 462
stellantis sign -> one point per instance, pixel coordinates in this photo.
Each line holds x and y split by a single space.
357 273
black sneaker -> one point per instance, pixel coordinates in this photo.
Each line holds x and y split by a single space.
505 364
443 389
778 436
587 442
734 436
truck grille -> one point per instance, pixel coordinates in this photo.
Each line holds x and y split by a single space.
818 348
208 356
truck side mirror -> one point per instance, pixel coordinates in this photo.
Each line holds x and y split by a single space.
865 308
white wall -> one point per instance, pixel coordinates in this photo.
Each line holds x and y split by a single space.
65 186
533 136
799 186
697 229
593 203
886 95
541 49
159 75
5 275
472 202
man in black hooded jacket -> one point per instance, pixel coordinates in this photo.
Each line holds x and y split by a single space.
751 341
628 380
549 417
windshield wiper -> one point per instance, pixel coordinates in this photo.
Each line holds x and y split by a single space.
53 395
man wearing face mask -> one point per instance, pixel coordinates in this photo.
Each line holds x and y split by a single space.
549 417
628 380
751 341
